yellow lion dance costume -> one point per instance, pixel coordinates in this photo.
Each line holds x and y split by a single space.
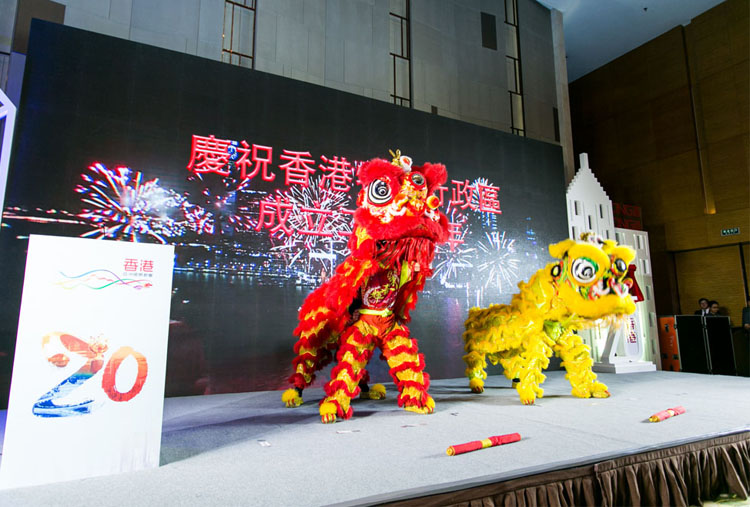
587 284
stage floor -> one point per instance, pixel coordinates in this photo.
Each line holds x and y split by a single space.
247 449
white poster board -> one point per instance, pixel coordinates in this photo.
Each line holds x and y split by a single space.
7 126
87 390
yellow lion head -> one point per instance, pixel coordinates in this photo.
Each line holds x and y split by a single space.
591 276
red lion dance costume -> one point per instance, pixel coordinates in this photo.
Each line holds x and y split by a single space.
367 301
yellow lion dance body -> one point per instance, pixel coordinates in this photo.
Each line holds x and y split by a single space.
587 284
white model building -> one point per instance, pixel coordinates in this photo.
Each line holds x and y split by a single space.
615 350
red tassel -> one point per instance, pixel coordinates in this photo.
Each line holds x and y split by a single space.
298 381
339 385
634 288
357 356
411 349
406 365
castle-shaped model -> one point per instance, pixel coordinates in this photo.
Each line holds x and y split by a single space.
634 347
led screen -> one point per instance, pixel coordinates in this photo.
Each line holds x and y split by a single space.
253 178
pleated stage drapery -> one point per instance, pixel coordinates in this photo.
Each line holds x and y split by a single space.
678 476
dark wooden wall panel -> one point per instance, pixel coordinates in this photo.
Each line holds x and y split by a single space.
666 128
724 284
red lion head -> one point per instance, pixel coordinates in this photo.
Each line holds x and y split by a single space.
397 206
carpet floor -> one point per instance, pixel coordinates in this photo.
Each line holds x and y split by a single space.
247 449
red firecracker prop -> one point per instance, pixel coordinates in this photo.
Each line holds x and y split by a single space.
666 414
483 444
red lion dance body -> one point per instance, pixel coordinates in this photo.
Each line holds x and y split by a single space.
367 301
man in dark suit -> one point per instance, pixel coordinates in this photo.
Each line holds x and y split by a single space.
713 309
704 307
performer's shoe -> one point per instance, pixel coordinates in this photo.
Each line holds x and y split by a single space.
327 412
292 397
376 392
476 385
426 408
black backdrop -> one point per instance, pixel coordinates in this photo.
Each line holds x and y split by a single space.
89 98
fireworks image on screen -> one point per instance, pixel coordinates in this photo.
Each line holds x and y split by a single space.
452 258
488 219
317 228
451 263
220 212
118 204
497 265
198 219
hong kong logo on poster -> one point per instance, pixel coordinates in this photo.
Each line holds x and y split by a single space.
89 367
